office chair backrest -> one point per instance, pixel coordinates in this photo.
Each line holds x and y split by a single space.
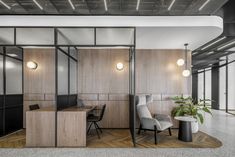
34 107
102 112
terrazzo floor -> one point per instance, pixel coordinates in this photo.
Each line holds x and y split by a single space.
221 126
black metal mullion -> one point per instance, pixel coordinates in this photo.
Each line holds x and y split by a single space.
204 87
68 75
226 85
4 90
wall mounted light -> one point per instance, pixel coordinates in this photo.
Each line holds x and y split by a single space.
180 62
32 65
120 66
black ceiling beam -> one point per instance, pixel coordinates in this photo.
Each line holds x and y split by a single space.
54 5
22 6
204 63
217 54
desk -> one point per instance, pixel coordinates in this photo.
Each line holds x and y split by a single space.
40 127
72 126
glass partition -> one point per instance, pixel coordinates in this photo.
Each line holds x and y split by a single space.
208 85
114 36
222 88
73 76
76 36
62 73
15 52
6 36
13 76
200 86
231 84
35 36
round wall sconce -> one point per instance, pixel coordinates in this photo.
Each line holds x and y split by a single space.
119 66
180 62
186 73
32 65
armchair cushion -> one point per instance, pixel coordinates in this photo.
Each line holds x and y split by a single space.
143 112
141 100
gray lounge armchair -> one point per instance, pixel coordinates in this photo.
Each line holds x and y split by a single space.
156 123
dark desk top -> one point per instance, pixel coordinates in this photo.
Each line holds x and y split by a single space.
79 109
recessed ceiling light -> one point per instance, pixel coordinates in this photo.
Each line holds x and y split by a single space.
222 47
194 53
218 40
71 4
209 53
172 3
138 5
39 6
204 4
12 55
3 3
105 5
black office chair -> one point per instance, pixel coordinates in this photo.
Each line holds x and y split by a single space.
93 119
34 107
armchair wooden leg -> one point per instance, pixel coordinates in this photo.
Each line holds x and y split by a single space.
169 129
139 129
155 135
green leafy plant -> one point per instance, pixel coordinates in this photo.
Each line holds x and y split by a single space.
189 107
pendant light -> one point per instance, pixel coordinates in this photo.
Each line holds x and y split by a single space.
186 72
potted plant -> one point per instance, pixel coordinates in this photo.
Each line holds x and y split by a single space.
189 107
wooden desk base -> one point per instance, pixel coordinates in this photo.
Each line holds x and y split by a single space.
71 128
40 128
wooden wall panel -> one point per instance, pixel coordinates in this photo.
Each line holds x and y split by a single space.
101 83
157 72
39 84
98 73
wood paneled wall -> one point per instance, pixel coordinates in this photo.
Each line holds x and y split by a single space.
39 84
158 74
101 83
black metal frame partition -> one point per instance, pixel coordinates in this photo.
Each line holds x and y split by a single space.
216 83
10 103
132 56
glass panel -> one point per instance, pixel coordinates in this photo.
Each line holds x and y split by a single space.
231 88
200 85
62 73
13 76
73 77
65 49
73 52
76 36
208 85
6 36
114 36
14 52
1 75
35 36
222 87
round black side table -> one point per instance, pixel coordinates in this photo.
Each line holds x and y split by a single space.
185 129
